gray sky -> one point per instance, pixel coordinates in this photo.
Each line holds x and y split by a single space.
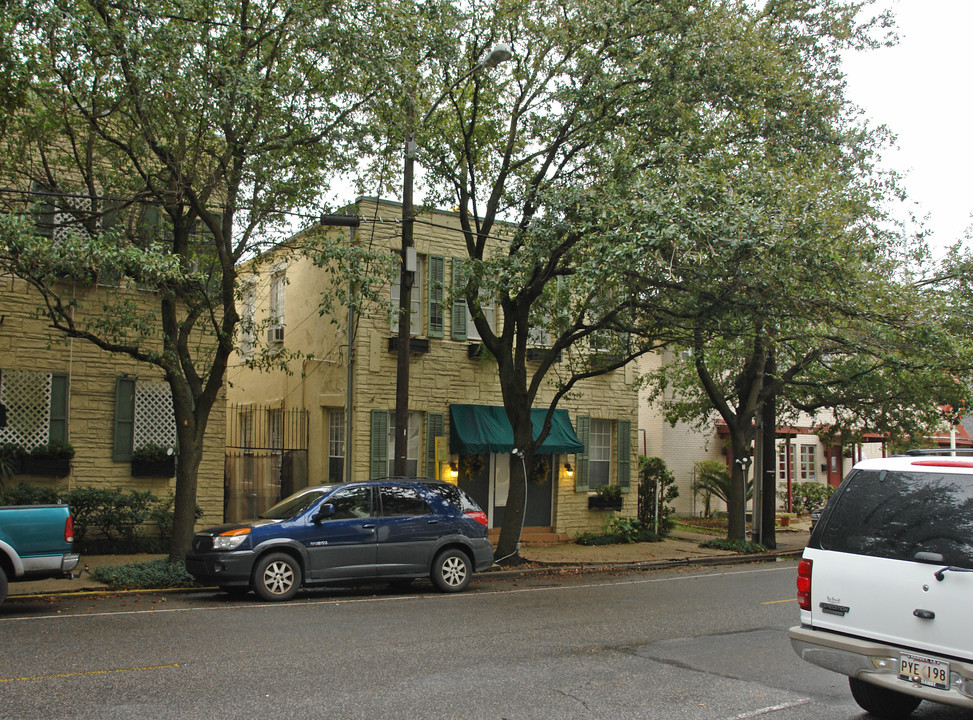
921 90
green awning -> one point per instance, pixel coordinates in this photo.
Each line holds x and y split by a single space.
475 429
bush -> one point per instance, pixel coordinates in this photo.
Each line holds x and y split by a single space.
54 450
24 494
653 472
145 575
744 547
152 452
619 530
806 496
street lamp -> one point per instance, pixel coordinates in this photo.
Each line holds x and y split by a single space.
500 53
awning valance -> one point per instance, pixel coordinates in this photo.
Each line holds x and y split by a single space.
475 429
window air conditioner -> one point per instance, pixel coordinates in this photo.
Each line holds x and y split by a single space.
275 334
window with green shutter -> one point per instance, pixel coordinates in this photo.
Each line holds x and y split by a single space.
581 459
124 419
379 445
58 428
435 428
437 291
625 455
458 313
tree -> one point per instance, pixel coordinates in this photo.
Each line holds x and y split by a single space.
773 266
176 137
579 155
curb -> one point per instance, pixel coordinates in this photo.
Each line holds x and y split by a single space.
539 568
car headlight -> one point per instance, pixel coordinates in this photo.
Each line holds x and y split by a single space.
230 540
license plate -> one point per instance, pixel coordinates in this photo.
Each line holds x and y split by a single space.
925 671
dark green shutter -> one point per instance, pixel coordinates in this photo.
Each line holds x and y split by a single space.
124 419
458 331
379 447
624 455
58 427
581 459
437 282
435 423
43 210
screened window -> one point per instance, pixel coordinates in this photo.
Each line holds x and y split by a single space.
808 462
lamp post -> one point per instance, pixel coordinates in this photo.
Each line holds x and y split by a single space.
500 53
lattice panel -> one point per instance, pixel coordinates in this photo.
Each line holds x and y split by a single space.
66 223
27 395
154 417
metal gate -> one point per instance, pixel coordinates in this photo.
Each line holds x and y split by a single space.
266 458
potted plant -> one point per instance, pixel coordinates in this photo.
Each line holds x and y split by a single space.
606 497
153 460
53 459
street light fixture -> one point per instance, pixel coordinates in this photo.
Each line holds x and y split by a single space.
500 53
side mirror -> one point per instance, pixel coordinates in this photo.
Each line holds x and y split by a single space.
323 513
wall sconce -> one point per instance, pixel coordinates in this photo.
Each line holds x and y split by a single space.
453 471
569 469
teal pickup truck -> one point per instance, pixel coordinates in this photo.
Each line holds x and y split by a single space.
35 542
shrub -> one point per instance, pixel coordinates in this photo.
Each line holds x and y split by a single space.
618 530
54 450
152 574
654 473
152 452
24 494
739 546
806 496
713 480
608 492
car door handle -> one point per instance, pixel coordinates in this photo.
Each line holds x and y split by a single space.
924 614
369 526
432 522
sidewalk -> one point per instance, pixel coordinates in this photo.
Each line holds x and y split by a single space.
680 547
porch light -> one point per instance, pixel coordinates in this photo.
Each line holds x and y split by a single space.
568 469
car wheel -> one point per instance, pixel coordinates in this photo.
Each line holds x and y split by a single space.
882 702
3 585
452 570
276 577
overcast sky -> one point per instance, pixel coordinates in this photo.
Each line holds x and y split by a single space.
921 90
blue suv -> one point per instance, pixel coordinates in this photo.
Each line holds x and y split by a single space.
394 530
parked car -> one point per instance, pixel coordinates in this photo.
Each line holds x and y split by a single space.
393 530
35 543
886 581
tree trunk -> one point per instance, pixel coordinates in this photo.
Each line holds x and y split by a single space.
184 509
768 537
514 512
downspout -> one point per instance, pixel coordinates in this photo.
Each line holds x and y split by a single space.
349 383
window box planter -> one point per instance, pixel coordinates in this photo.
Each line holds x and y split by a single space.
51 467
417 346
600 503
154 468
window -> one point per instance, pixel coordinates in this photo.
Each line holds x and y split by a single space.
275 332
248 310
782 470
351 503
808 462
594 464
37 407
143 415
599 453
415 297
336 445
402 501
412 450
489 312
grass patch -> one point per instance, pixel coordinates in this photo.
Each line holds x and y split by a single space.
706 526
145 575
744 547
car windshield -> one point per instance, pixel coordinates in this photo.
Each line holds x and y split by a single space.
295 504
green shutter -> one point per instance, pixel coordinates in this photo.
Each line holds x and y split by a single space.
581 458
379 448
43 210
435 423
437 286
624 455
58 427
459 303
124 419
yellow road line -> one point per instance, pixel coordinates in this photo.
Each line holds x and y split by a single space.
774 602
87 672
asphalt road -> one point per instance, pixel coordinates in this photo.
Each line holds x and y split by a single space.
691 643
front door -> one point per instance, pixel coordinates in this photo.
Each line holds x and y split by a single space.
539 489
343 545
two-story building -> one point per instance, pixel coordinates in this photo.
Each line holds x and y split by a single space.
340 389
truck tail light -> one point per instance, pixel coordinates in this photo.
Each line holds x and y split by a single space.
804 584
69 530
